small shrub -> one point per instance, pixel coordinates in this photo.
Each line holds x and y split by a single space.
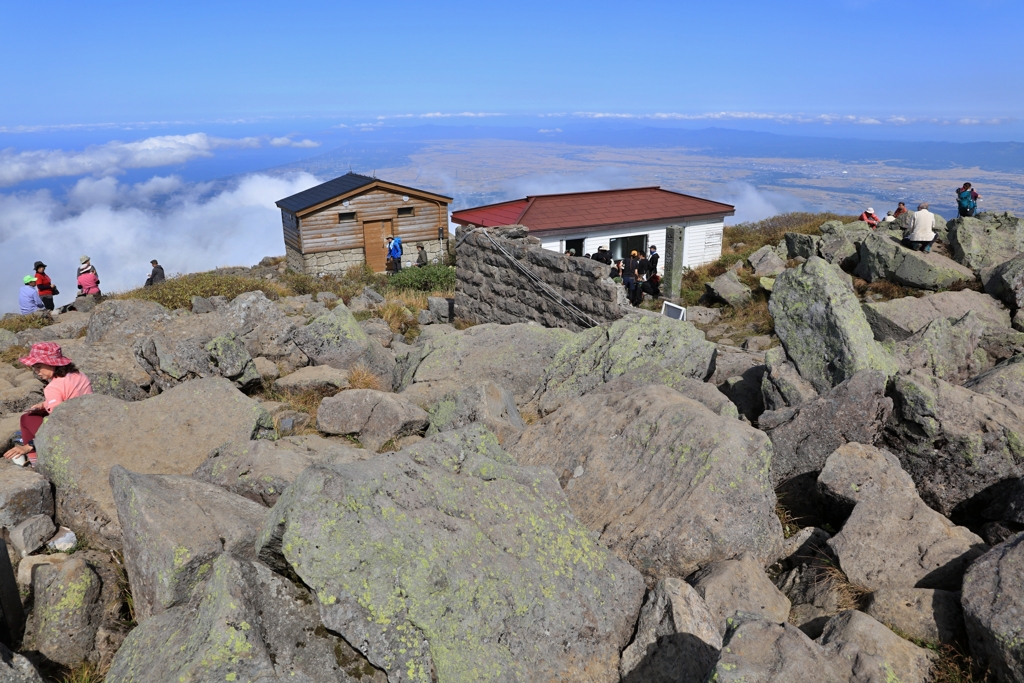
11 354
425 279
463 323
395 314
86 672
177 292
790 525
883 290
361 377
20 323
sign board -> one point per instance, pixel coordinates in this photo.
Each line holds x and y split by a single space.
672 311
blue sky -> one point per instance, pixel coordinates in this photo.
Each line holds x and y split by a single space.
74 62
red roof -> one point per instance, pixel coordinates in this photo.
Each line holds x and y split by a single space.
593 209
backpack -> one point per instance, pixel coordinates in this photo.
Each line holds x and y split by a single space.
964 200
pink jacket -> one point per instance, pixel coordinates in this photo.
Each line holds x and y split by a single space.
89 283
64 388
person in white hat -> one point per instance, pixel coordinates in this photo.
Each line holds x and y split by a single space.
870 218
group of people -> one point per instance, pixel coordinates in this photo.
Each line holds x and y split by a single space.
639 272
38 290
395 251
919 233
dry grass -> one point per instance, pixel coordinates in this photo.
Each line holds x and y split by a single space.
395 314
85 672
850 595
124 590
790 524
952 665
773 230
11 354
463 323
20 323
177 292
883 290
360 377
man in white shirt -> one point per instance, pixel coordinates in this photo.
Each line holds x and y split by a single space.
921 234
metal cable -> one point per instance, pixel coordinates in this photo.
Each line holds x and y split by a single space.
582 318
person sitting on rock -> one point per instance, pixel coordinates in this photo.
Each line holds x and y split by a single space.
889 218
156 276
29 300
869 217
63 382
901 209
921 235
88 278
652 287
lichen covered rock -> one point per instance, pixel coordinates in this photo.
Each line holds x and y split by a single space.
993 600
883 258
446 557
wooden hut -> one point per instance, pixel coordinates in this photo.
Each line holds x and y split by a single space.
345 222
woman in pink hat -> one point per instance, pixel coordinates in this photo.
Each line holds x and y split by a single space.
63 382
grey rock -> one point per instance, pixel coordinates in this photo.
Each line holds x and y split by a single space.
884 258
1001 343
66 610
822 327
327 298
7 339
667 484
1013 511
759 342
856 472
513 356
336 339
373 297
986 240
110 360
313 378
21 398
66 326
173 528
1005 380
462 523
425 317
874 650
944 348
803 437
955 443
766 262
117 386
930 615
898 319
266 368
800 245
375 417
728 289
815 590
15 668
441 308
739 585
601 354
124 320
677 639
702 392
200 304
261 470
992 600
781 384
245 623
32 534
701 315
486 403
169 434
376 328
840 250
1006 281
23 494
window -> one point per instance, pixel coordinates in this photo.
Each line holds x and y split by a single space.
347 216
406 211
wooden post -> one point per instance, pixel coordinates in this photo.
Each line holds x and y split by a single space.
12 625
673 278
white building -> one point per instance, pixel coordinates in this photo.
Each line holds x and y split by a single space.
621 220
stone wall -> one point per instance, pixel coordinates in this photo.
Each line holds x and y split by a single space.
339 261
489 288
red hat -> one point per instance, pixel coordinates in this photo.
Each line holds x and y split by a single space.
45 353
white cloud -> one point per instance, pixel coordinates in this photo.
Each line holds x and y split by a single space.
753 204
550 130
797 118
112 157
288 142
187 227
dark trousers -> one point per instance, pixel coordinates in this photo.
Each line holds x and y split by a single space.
915 245
966 212
630 285
47 302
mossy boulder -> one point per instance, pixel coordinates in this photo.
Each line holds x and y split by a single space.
955 443
1006 281
946 348
898 319
820 323
728 289
604 353
669 485
66 611
448 562
172 433
244 623
485 403
882 257
336 339
993 600
985 240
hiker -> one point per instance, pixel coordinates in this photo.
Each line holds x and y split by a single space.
890 217
616 269
157 276
921 234
88 278
652 261
45 286
869 217
652 287
603 256
395 254
901 209
421 256
28 297
629 274
63 382
570 252
966 200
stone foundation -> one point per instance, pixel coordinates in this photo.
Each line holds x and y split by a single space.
489 288
340 261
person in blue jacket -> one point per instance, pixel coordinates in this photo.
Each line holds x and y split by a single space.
28 298
395 253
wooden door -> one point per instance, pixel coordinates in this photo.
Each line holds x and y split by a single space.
375 244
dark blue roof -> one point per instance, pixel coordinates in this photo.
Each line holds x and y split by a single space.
324 191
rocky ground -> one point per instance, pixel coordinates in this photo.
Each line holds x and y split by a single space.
271 489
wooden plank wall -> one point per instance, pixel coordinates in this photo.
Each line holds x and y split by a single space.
291 230
321 231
